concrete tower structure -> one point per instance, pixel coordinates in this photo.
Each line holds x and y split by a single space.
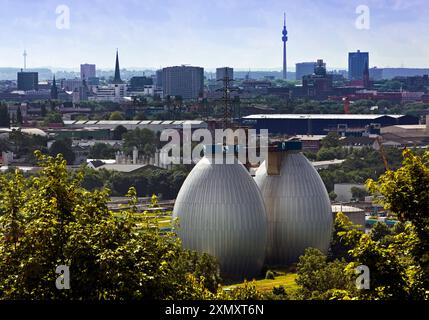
284 39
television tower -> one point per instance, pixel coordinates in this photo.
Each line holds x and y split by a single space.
25 59
284 39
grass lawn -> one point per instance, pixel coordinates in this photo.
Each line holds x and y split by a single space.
287 280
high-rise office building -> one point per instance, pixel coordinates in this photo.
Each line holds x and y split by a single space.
71 84
304 69
184 81
28 81
87 71
158 79
226 72
358 62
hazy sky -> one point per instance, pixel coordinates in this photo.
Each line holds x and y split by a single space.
212 33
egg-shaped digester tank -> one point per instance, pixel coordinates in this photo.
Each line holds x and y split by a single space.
297 204
220 211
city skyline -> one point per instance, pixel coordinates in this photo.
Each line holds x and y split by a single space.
224 33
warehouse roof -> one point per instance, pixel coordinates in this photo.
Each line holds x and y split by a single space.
323 116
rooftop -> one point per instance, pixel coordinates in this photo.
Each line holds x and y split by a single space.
341 208
323 116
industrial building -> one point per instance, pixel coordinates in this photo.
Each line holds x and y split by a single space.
406 135
221 212
297 204
154 125
321 124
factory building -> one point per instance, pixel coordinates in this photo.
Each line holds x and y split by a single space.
298 207
321 124
221 212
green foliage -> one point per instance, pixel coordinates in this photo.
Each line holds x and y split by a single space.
387 274
146 182
102 151
379 231
332 140
25 144
280 291
318 277
269 275
247 291
331 153
50 220
116 115
406 193
53 117
144 139
360 165
345 237
118 132
64 147
359 193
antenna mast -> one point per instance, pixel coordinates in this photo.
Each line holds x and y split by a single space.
25 59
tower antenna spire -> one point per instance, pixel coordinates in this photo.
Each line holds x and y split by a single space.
25 59
284 40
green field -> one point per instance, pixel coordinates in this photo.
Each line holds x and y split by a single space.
287 280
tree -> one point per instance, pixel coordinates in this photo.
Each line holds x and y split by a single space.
405 192
143 139
116 115
379 231
102 151
340 244
332 140
140 116
388 277
118 132
53 117
332 196
4 116
318 277
50 220
64 147
359 193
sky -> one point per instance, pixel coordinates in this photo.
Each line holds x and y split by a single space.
244 34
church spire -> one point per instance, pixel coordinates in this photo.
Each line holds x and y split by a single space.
117 78
54 89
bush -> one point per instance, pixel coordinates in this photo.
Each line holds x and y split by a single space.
269 275
279 290
50 220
